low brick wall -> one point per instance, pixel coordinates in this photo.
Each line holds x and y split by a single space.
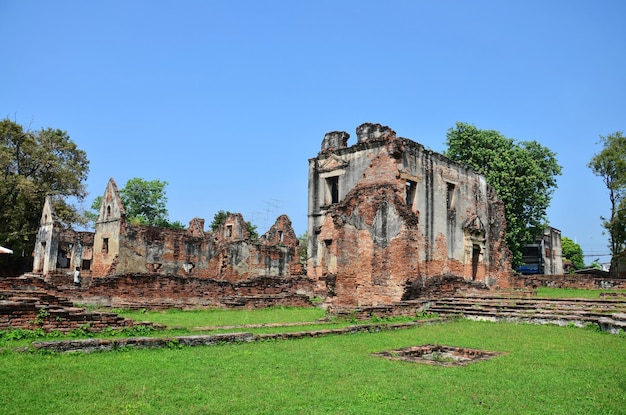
25 282
581 281
404 309
158 292
41 313
101 345
442 285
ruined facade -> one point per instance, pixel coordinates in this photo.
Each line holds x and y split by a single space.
121 248
58 249
385 215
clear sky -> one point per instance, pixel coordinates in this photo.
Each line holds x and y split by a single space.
227 100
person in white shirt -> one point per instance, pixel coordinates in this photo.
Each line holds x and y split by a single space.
77 277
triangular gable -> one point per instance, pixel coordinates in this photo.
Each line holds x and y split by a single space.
474 226
48 215
281 233
111 207
331 163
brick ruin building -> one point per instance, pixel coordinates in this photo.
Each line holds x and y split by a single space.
388 221
386 217
126 263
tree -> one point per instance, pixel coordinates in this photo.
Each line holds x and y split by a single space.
303 241
523 175
36 164
222 215
144 202
610 164
572 252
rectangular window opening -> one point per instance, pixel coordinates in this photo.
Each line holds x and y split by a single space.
86 264
450 196
332 189
105 245
411 187
229 230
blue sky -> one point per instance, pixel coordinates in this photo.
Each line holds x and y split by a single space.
227 100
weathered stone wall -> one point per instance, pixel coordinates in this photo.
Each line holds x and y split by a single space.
385 212
155 291
109 225
118 247
227 254
581 281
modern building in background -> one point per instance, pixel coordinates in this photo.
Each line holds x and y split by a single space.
545 256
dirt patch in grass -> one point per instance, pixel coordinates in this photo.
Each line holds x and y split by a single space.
434 354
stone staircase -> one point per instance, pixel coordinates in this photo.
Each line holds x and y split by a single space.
29 303
608 314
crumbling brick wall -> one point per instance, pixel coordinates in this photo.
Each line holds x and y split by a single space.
385 212
29 302
158 292
227 254
118 247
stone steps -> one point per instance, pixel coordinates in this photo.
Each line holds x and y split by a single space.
266 300
39 309
609 315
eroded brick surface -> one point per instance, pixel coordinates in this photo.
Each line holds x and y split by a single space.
386 213
31 303
119 248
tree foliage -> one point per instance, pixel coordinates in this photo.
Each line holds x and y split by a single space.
303 245
610 164
522 173
572 252
222 215
144 202
36 164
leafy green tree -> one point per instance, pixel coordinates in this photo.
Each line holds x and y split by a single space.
572 252
222 215
36 164
218 219
144 202
303 241
522 173
610 164
91 216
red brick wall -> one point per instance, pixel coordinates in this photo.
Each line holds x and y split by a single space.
155 291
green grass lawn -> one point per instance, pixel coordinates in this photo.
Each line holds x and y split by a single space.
226 317
547 292
545 369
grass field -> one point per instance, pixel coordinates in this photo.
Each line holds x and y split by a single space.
547 292
545 370
226 317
